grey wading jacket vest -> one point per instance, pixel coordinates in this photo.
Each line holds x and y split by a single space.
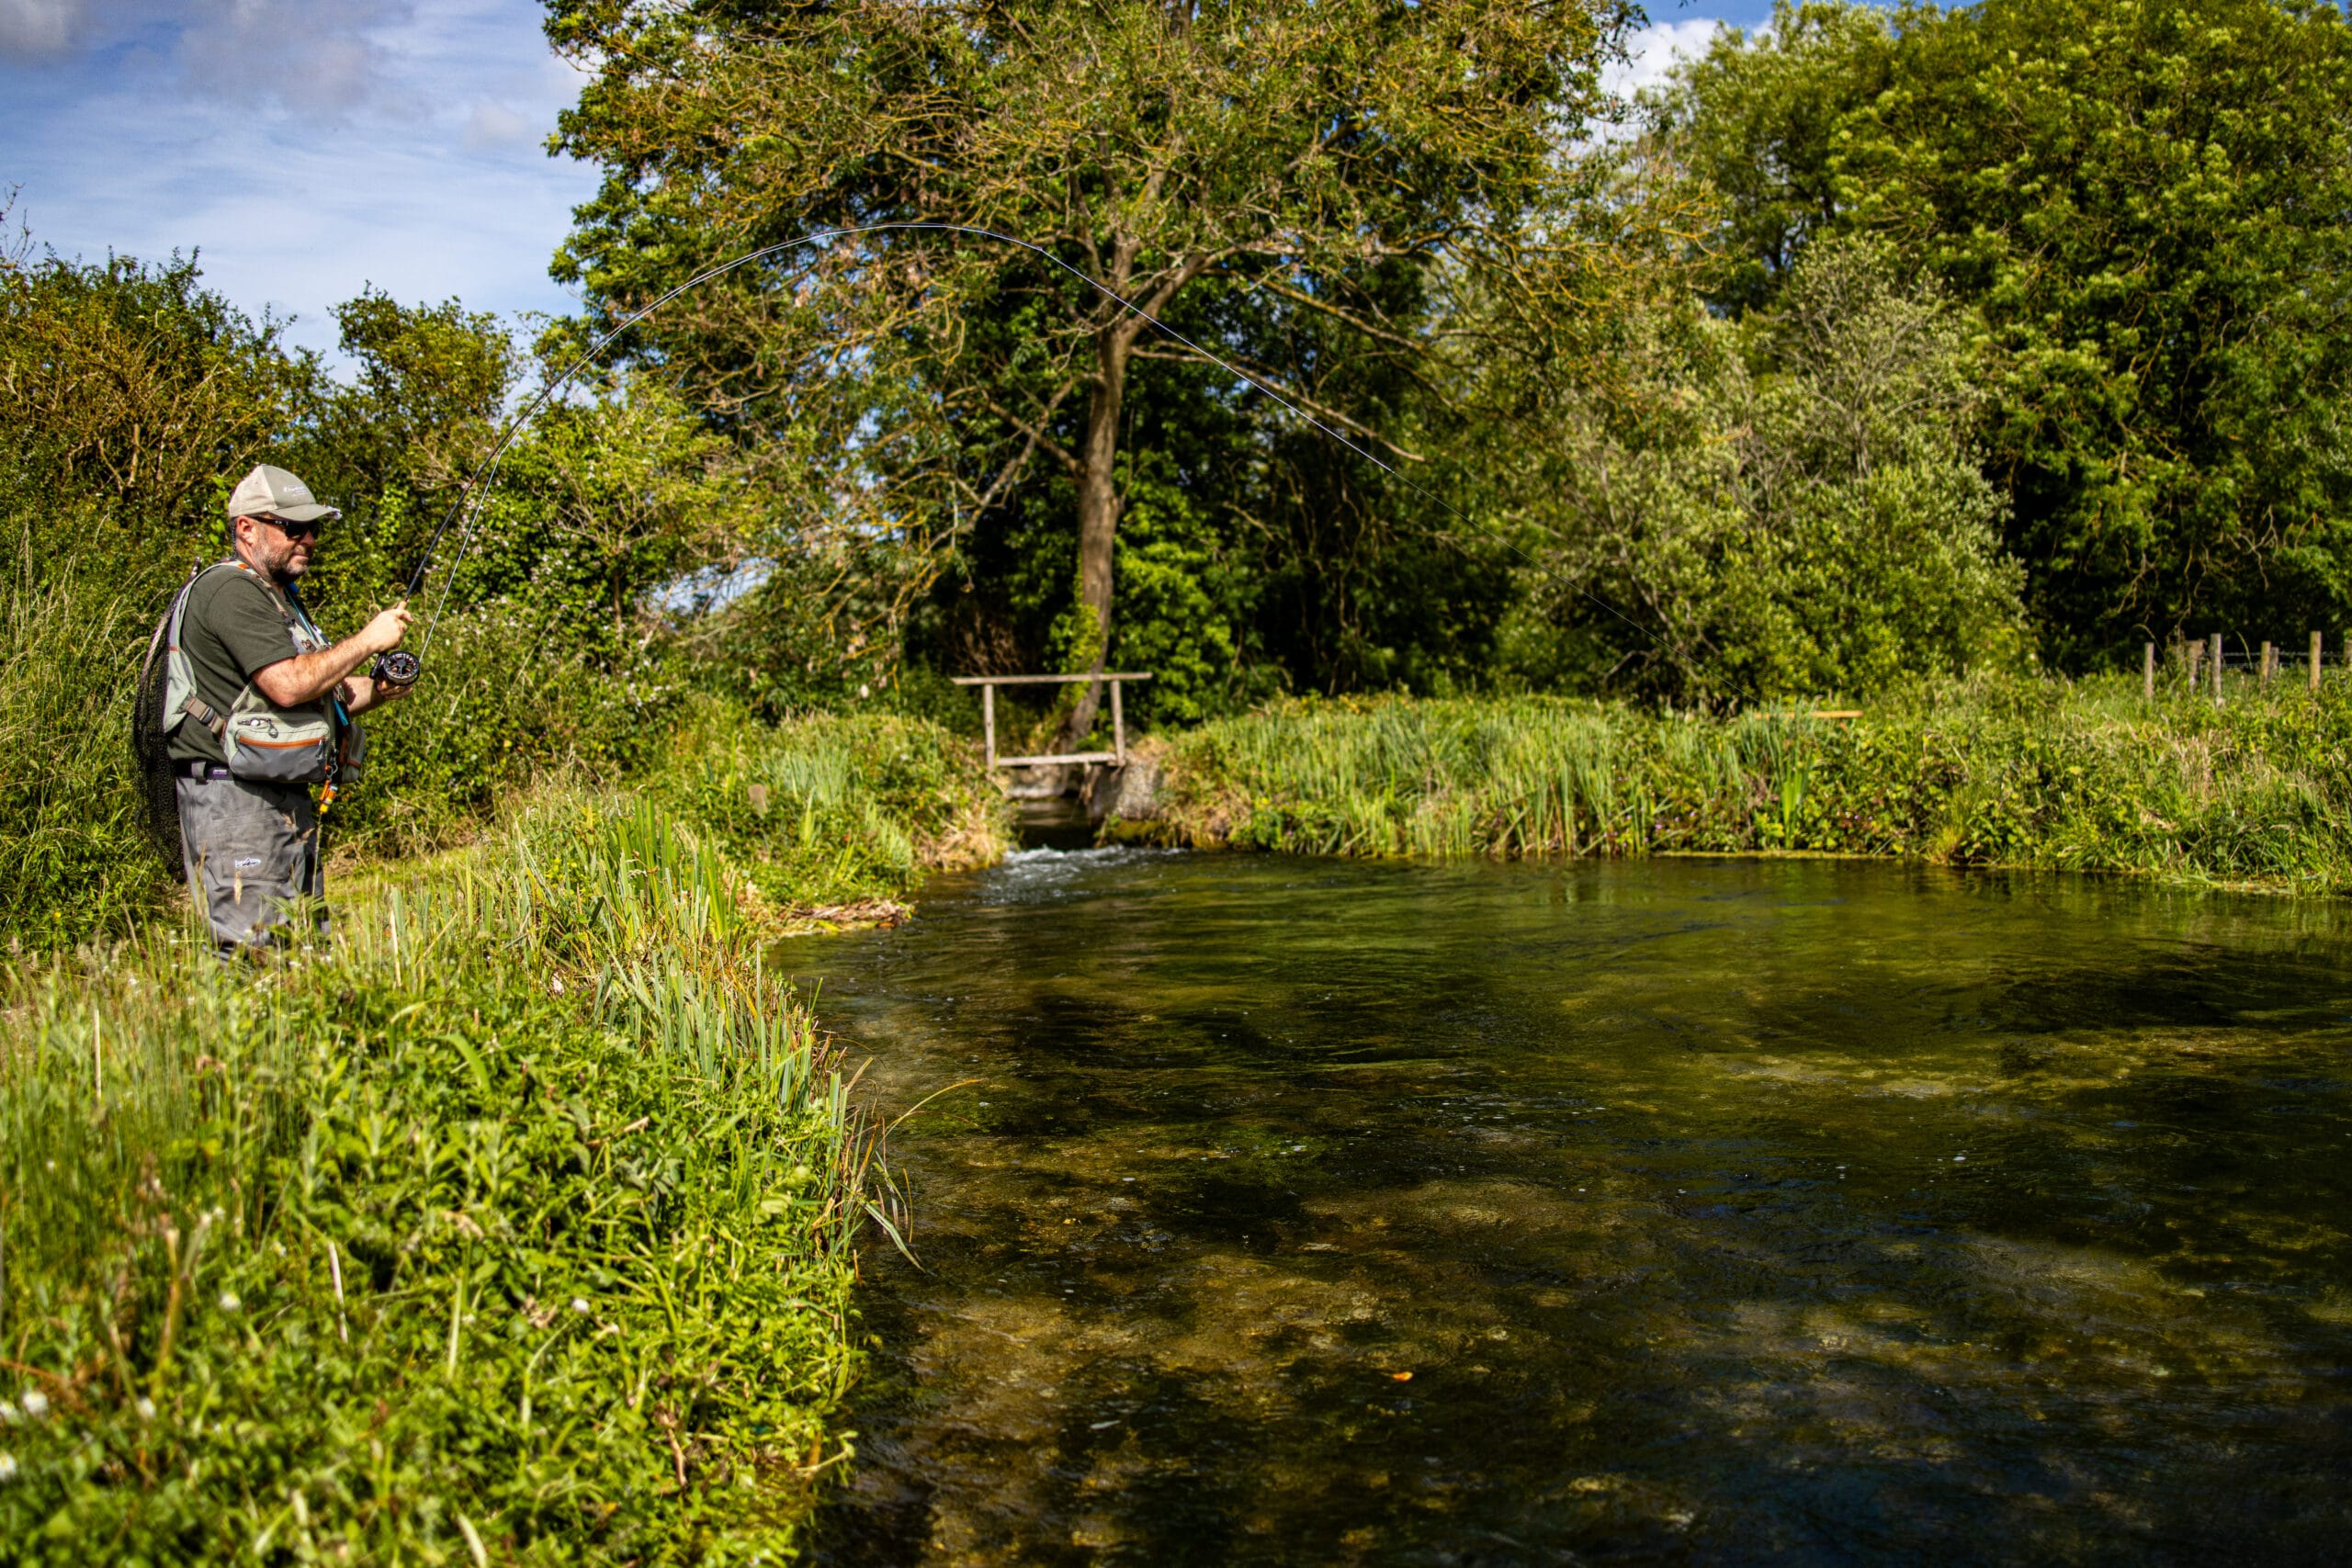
315 743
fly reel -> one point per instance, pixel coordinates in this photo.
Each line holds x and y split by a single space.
398 668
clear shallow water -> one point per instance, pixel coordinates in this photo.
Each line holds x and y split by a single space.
1720 1211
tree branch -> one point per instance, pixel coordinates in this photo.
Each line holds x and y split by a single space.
1037 436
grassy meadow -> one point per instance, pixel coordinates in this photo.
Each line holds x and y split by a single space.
515 1224
2079 777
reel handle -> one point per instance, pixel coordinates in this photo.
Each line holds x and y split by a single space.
398 668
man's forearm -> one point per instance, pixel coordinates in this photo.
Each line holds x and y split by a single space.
307 677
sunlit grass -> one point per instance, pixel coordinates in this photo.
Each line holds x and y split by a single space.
2081 776
516 1222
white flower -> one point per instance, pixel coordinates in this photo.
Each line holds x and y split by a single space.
7 1466
146 1408
8 1417
229 1301
36 1403
577 1304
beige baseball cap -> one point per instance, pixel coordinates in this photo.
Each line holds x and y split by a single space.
271 492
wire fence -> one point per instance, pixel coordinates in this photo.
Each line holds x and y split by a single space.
2202 665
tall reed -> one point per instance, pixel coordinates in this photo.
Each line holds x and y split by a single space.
2031 773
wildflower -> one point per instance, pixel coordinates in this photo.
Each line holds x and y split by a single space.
36 1403
146 1408
7 1466
229 1301
579 1304
8 1417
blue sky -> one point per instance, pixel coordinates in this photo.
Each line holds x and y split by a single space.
308 148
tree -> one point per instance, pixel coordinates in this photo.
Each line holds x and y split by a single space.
1149 149
2146 202
1757 117
1789 506
2150 201
135 387
431 381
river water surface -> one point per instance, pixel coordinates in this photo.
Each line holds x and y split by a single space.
1670 1210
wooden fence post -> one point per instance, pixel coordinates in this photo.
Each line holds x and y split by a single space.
2269 662
987 718
2148 674
2216 650
2314 661
2193 654
1118 726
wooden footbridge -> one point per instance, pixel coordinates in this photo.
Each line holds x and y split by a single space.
989 683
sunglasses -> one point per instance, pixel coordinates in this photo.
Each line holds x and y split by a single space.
293 530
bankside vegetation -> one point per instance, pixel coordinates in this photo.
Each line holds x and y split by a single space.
1989 771
1884 342
515 1224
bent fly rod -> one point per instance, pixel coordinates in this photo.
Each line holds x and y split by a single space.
401 668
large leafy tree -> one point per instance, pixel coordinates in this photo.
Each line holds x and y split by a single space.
1150 149
1785 506
2147 203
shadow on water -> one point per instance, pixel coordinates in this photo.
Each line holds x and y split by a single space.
1665 1211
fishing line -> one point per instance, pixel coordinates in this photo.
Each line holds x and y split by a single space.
402 667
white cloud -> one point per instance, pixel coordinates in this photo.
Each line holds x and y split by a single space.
1653 52
305 148
36 27
316 56
495 125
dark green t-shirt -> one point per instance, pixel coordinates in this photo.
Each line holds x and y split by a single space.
232 627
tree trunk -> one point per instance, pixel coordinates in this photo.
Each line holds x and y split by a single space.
1098 515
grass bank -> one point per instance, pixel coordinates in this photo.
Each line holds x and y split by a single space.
517 1224
2080 776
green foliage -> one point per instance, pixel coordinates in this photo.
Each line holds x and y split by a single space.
134 398
2145 202
1758 120
70 816
518 1222
1785 507
1979 772
510 696
1330 153
858 808
1176 593
430 384
133 387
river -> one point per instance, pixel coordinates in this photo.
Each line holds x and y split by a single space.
1675 1210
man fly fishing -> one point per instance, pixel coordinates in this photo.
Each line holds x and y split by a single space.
255 706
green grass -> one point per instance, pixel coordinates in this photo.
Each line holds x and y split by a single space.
516 1224
2080 776
79 861
858 808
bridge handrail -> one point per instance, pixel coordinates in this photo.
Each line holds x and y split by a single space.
989 683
